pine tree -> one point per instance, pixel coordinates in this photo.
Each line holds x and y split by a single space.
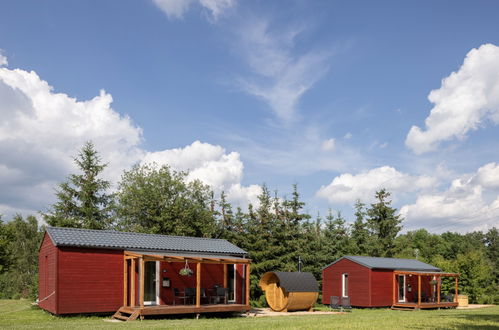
360 234
384 225
83 201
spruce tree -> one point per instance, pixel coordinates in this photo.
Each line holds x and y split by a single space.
384 225
82 200
360 234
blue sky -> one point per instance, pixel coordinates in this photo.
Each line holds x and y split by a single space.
334 96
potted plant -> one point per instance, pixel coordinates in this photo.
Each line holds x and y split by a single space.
186 271
433 282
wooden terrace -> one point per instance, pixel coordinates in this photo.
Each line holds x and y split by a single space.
423 299
133 297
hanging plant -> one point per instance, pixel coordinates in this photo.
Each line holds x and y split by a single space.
433 282
186 271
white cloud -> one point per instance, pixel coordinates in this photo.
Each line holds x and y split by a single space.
278 77
3 59
347 136
41 131
328 145
466 99
175 9
466 205
347 188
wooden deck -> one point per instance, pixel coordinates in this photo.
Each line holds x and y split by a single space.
424 305
135 312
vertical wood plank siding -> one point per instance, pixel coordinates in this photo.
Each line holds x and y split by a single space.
358 281
382 288
90 280
47 279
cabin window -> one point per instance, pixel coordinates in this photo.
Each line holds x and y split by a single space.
231 282
344 285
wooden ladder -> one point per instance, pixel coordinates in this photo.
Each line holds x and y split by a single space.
126 314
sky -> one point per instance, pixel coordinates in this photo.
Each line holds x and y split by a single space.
342 98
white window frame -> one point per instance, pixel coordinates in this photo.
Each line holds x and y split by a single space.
343 276
234 270
156 280
398 288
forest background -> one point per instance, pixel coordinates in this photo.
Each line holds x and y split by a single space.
276 233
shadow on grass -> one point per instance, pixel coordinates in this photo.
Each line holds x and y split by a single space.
475 322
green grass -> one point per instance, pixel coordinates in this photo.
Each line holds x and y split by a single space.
20 314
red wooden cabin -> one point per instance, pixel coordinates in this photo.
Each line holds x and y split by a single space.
380 282
96 271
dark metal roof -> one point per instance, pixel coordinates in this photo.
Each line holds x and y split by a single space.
111 239
390 263
298 281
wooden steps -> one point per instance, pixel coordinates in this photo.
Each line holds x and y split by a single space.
126 314
405 308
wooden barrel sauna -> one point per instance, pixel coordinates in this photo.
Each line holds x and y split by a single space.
290 291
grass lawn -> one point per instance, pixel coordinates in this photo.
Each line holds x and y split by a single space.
19 314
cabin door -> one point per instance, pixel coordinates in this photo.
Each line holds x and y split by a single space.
151 283
401 288
231 283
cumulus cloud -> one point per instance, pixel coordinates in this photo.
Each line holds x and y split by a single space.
347 188
42 130
278 77
469 203
466 99
175 9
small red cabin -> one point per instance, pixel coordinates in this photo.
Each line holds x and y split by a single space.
380 282
91 271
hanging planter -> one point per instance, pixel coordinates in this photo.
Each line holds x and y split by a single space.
433 282
186 271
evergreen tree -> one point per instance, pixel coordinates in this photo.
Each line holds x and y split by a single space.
336 237
384 225
360 234
83 201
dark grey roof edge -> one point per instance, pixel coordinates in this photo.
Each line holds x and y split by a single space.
352 259
297 281
49 228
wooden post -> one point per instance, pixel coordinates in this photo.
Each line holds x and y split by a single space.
142 271
394 289
125 282
133 269
198 284
225 275
419 290
247 284
439 279
455 296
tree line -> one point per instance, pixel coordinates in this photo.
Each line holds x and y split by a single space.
276 232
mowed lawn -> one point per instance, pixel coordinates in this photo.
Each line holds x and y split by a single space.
20 314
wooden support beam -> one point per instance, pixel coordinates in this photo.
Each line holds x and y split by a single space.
225 275
125 282
141 272
455 296
394 286
439 280
419 290
248 284
133 271
198 284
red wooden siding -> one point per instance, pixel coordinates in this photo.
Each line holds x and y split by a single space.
47 279
381 288
358 282
89 280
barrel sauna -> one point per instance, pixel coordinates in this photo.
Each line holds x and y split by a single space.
290 291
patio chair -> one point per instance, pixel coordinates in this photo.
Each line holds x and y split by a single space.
191 294
345 304
220 295
177 295
334 303
424 297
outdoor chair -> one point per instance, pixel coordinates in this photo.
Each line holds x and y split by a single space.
345 304
177 295
334 303
220 295
191 294
424 297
